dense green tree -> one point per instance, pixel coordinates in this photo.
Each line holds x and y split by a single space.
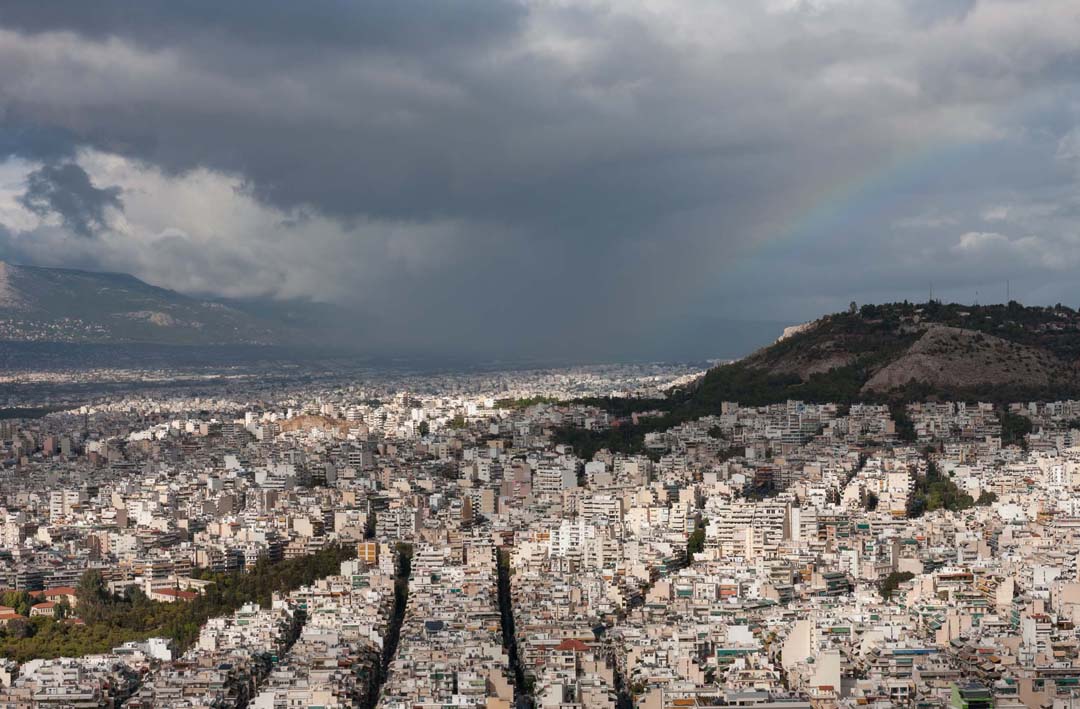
1014 429
18 600
525 402
696 543
892 582
63 609
93 595
905 428
114 620
935 491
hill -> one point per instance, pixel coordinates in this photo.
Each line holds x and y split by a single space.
71 306
905 352
893 353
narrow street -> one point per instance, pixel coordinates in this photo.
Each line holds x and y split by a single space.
522 696
393 631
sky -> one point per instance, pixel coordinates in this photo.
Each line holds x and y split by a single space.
642 177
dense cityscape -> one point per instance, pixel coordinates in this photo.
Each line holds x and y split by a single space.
432 542
539 354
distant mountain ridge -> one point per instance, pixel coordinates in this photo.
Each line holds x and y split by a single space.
67 305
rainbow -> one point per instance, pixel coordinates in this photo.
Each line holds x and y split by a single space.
866 196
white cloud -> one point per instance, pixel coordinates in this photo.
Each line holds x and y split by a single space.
202 232
1000 251
976 241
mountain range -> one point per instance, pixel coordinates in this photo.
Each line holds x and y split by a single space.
77 308
66 305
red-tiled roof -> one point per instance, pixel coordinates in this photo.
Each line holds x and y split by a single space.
571 644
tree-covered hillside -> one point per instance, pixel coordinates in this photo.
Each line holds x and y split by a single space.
893 353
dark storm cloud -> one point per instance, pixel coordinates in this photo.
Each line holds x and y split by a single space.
66 191
592 168
33 140
361 109
320 24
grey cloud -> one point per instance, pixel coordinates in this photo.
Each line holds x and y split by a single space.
926 13
280 24
34 140
66 190
600 161
502 133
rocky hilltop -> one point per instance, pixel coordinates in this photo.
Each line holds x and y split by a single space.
954 359
906 351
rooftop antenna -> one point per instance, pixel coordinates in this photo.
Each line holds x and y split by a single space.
1008 295
931 291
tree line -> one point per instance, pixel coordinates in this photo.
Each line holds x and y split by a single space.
109 620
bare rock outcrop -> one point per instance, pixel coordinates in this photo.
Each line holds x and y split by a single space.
954 358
